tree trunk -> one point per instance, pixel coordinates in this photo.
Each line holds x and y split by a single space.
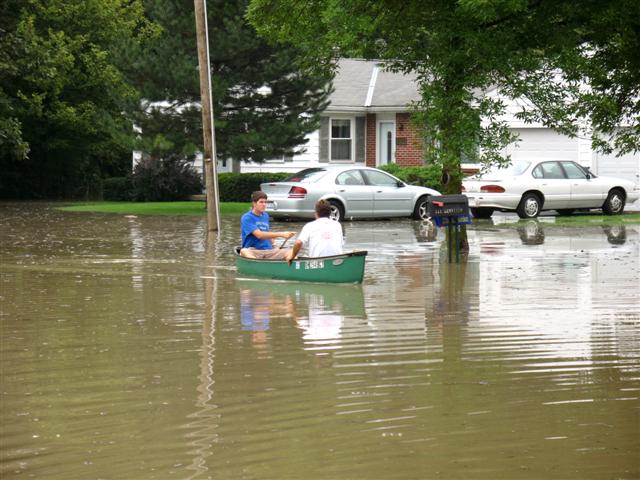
451 170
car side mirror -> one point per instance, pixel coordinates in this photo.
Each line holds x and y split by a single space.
400 184
589 174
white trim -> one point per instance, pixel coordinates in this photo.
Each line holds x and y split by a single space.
372 85
337 109
352 138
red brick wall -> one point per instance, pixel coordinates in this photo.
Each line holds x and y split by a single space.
371 140
408 143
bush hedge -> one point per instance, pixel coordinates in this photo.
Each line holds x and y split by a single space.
425 176
238 187
172 178
116 189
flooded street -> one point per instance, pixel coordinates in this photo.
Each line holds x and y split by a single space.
130 349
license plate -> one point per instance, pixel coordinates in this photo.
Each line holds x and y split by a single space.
271 206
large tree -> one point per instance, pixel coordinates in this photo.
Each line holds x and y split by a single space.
460 49
62 95
265 99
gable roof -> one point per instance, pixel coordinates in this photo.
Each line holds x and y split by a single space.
364 86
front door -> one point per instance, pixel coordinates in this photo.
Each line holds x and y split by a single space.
387 143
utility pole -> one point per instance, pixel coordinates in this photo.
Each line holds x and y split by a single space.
210 174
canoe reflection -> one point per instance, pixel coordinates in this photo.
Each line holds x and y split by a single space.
319 310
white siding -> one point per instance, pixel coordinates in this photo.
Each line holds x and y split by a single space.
306 159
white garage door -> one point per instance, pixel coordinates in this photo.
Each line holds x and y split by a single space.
626 166
543 143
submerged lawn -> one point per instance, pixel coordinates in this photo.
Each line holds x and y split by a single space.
156 208
584 219
235 208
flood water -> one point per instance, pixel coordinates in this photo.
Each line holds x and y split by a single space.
130 349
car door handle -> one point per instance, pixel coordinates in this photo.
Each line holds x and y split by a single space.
379 191
341 191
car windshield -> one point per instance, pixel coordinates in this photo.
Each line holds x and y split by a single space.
515 169
307 175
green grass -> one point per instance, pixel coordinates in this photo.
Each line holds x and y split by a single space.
579 220
156 208
236 208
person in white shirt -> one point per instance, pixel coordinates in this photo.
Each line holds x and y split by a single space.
322 237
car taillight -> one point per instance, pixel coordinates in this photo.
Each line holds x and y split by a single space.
297 192
492 189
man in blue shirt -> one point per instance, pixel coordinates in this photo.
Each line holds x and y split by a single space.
256 237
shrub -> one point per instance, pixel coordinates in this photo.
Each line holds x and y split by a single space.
167 179
238 187
426 176
116 188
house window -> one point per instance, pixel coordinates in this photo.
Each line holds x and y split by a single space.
341 140
280 159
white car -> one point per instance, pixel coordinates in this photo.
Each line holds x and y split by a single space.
529 187
353 192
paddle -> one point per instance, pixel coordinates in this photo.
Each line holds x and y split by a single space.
285 241
282 245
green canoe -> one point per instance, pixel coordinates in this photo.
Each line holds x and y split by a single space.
345 268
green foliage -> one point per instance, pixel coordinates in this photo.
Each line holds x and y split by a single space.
116 188
425 176
461 51
449 47
238 187
265 100
168 179
62 94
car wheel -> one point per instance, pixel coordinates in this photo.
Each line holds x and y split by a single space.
482 212
614 204
337 211
565 211
421 210
530 206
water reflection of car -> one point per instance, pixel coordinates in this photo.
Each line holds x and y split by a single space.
425 231
531 233
352 191
529 187
616 234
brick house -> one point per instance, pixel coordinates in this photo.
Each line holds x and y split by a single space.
366 122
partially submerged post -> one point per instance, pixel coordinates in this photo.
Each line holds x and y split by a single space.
451 211
210 175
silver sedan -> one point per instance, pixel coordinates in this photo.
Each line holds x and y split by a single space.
354 192
529 187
